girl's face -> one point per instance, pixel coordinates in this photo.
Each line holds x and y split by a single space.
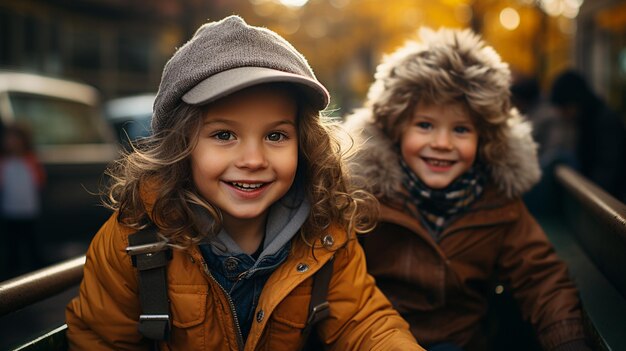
247 152
440 144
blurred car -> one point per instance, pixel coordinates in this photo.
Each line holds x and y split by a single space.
130 116
73 142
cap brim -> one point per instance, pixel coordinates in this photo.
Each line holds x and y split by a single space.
232 80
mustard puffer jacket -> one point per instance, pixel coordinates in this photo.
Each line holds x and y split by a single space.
105 315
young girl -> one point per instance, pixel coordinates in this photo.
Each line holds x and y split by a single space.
244 181
448 159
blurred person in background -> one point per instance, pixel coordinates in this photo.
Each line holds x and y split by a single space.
555 137
21 180
600 142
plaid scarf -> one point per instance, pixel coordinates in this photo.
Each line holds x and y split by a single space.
438 206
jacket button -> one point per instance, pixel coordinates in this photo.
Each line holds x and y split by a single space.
231 264
302 267
499 289
259 316
328 241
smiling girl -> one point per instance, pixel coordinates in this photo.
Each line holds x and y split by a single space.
244 183
449 159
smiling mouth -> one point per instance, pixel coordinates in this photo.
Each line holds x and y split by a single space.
437 162
247 186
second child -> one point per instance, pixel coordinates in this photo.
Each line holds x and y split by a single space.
449 158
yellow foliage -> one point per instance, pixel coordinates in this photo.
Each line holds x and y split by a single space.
345 39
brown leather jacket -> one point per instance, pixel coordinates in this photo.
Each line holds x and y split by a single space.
441 289
105 314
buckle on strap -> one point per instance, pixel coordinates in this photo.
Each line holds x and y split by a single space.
154 317
154 326
146 248
318 313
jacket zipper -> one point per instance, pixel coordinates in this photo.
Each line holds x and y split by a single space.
240 344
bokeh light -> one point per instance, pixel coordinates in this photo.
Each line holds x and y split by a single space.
509 18
566 8
294 3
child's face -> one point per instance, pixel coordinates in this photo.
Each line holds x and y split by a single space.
247 152
440 143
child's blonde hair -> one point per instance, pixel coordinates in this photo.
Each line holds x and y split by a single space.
160 164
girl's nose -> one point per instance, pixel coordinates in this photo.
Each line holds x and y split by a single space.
441 140
252 157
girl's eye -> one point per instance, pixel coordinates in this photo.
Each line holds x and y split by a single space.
223 135
276 136
461 129
424 125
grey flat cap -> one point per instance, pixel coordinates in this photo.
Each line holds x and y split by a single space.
226 56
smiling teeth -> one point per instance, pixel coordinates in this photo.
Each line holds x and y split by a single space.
247 186
439 162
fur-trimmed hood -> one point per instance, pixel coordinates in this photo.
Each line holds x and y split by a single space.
447 66
376 160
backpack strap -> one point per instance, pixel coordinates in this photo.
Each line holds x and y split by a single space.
319 307
150 256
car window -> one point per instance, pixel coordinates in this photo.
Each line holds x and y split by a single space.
57 121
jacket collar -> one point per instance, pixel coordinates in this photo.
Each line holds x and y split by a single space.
285 218
310 260
302 263
491 209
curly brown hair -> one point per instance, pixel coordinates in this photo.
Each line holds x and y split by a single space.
152 183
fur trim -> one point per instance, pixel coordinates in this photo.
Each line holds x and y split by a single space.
445 66
375 161
517 170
